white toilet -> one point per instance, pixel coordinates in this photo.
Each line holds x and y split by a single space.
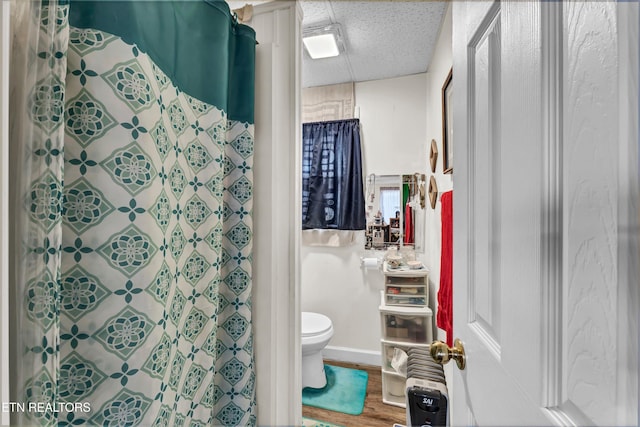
317 330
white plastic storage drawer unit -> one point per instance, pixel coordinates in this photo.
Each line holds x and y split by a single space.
406 287
403 327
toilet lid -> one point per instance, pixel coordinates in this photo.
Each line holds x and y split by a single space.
314 324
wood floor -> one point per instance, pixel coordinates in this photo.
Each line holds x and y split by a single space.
375 414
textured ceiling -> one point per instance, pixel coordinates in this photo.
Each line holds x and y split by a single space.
383 39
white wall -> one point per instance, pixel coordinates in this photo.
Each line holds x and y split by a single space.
439 67
392 117
392 120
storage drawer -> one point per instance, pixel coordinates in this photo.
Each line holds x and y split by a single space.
406 300
387 354
393 389
406 295
404 280
410 328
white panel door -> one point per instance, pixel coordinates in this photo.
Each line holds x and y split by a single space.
546 212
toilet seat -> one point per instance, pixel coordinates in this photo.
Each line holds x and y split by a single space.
315 324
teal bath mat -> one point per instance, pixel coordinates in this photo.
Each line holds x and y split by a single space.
345 391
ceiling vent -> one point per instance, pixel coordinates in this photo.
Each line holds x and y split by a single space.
323 41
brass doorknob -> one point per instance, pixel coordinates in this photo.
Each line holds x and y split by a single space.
442 353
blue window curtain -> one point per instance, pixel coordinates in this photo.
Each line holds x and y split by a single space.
332 193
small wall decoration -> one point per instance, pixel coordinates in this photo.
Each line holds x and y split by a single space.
433 192
433 155
447 124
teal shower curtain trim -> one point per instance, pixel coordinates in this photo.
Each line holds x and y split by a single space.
174 34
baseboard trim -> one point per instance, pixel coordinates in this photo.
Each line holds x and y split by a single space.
352 355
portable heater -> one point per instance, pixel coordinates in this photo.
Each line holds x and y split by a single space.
427 403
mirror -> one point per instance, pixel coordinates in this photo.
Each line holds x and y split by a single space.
391 201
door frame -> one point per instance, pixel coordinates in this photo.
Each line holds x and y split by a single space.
628 17
5 36
277 207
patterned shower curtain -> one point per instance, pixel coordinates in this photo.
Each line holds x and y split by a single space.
133 286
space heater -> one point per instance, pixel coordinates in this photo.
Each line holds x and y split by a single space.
426 391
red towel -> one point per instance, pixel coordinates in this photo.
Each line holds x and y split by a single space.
444 317
408 225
